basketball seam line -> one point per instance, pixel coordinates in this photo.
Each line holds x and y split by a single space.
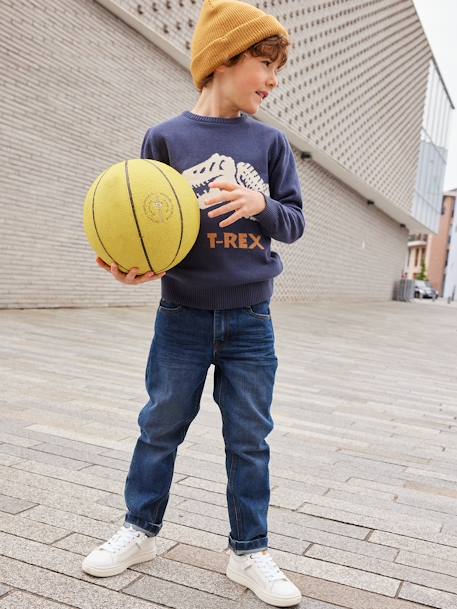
95 225
179 207
132 204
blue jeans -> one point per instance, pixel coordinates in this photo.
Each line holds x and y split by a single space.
240 344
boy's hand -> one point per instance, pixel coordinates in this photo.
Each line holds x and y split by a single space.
129 278
244 201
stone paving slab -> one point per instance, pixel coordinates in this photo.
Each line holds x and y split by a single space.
439 546
205 580
26 528
363 461
19 600
65 589
383 567
426 562
39 456
428 596
58 561
4 589
392 524
12 505
19 492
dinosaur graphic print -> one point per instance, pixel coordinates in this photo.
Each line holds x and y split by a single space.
221 167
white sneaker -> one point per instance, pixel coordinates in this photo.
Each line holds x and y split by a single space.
125 548
261 574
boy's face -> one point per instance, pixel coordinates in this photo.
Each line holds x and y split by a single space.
242 82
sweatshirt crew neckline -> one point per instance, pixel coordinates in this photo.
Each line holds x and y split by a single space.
215 119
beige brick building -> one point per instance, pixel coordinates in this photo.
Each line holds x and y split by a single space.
82 80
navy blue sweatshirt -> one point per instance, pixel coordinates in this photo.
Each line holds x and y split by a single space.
233 266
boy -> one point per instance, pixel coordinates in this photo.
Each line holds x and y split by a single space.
214 307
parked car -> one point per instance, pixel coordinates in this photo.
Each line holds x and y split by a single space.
424 289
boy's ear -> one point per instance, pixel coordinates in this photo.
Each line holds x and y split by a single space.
221 68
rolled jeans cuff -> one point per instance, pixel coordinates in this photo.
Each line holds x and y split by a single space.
247 547
149 528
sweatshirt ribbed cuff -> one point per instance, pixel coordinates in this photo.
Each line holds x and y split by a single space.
268 218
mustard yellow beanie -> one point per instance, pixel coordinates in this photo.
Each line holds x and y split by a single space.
224 29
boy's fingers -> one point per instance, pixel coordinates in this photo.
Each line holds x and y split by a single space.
224 209
119 275
224 196
157 276
144 278
102 263
230 220
132 273
132 276
225 185
149 277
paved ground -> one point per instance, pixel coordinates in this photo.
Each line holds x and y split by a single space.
363 461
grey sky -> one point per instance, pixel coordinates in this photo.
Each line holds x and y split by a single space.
438 18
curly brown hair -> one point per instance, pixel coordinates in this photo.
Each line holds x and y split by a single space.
272 47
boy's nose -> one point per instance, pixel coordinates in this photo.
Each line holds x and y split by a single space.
273 82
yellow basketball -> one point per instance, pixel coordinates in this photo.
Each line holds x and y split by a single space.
141 213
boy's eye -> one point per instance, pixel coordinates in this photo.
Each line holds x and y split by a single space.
269 63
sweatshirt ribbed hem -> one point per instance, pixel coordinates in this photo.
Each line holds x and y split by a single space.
219 298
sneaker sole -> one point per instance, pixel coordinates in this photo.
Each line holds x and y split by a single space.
264 596
116 570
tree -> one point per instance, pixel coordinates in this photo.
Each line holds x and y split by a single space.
423 276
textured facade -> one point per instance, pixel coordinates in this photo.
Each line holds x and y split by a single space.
427 206
83 80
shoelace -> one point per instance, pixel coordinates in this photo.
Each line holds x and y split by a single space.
121 539
267 566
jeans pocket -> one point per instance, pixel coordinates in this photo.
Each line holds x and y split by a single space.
260 310
166 305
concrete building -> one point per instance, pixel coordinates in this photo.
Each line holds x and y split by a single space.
361 101
450 271
440 244
418 253
435 250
